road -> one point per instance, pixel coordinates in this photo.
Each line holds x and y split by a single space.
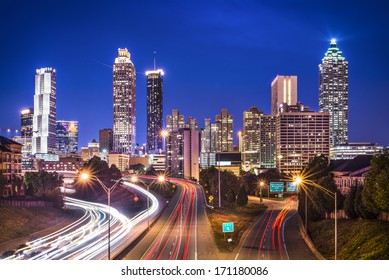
176 235
87 238
274 235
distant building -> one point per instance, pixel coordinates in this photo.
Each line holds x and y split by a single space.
230 161
225 130
300 137
208 144
122 161
283 90
124 103
352 150
158 161
10 164
92 150
175 121
351 172
67 136
72 163
45 112
333 93
26 125
154 108
106 140
183 153
251 137
268 145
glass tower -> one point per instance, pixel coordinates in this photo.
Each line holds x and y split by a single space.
124 103
154 110
333 93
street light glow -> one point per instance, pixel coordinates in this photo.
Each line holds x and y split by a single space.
134 179
85 176
161 178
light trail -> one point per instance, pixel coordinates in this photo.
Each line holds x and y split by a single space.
86 238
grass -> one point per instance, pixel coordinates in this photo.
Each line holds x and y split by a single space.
19 222
240 216
357 239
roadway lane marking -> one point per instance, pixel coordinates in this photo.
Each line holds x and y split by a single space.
237 255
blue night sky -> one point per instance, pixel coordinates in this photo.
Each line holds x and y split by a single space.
215 54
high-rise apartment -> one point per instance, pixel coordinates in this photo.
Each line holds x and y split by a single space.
45 112
154 110
251 136
208 144
268 147
333 93
301 135
124 103
67 136
225 127
283 90
175 121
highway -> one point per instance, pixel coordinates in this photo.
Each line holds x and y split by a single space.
267 239
176 235
87 238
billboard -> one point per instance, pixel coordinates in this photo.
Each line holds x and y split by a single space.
291 187
276 187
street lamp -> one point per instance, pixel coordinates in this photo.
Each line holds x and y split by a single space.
85 177
261 184
164 134
299 180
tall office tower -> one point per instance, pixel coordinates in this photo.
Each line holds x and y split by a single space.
183 153
301 135
283 90
45 112
26 127
268 145
251 136
124 103
106 140
175 121
192 123
208 144
225 127
154 110
333 93
67 136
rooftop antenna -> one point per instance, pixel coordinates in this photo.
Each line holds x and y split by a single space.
155 60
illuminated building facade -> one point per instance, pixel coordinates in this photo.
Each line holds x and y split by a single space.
175 121
154 110
353 150
225 126
333 93
251 136
283 90
208 144
268 146
67 136
45 112
124 103
300 137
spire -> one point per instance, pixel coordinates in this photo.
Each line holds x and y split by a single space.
333 53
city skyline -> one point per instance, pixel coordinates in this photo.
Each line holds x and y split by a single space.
242 56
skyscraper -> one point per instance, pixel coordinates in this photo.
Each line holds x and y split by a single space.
333 93
283 90
225 127
208 144
268 145
45 112
124 103
251 136
67 136
26 125
154 110
174 121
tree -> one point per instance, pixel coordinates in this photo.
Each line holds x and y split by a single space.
242 198
230 196
360 207
375 194
349 203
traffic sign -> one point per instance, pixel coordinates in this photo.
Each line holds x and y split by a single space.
276 187
228 227
291 187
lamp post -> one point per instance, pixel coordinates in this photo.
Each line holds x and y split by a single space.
164 134
86 176
333 195
261 184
